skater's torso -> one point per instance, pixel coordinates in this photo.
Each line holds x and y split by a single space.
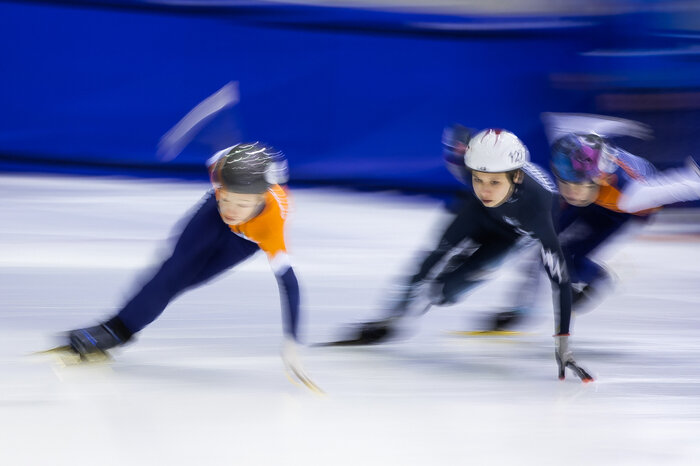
529 210
267 228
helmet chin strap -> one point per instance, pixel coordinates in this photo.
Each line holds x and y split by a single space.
509 195
519 177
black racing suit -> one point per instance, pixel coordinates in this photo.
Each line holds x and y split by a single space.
493 232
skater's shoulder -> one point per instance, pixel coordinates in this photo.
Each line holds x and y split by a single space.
277 201
266 231
537 188
267 228
273 214
537 180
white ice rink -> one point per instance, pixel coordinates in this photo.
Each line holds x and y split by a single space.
204 385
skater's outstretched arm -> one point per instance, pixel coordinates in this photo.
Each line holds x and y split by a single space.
541 225
289 298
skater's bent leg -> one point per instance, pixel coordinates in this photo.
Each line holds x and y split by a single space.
200 241
596 226
473 271
205 248
232 250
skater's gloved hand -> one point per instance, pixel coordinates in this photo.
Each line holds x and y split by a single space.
565 358
292 363
415 289
563 353
290 353
412 297
411 288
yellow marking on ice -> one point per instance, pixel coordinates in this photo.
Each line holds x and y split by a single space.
487 333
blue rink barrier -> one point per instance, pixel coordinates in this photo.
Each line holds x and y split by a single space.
354 97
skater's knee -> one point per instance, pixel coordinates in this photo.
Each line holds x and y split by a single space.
448 290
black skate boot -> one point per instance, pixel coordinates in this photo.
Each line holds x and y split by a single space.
98 339
504 322
368 333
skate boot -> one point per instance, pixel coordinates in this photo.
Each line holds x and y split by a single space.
97 340
504 322
368 333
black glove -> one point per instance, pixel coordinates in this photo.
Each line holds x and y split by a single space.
413 298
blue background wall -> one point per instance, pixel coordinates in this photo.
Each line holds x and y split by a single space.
353 97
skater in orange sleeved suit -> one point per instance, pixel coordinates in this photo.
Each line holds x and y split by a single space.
244 212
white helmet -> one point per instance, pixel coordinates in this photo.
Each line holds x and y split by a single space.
495 151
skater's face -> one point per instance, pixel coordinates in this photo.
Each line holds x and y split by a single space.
492 189
236 208
579 194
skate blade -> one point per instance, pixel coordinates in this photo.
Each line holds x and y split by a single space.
360 341
299 378
356 342
65 356
57 349
580 372
486 333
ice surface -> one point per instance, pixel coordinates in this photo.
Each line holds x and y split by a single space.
205 385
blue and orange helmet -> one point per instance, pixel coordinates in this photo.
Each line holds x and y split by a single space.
575 157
